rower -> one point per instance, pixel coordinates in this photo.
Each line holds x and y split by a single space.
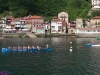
38 47
9 47
14 48
19 48
33 47
47 46
29 48
24 48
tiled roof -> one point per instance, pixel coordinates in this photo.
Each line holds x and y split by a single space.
33 17
55 19
15 19
36 17
96 17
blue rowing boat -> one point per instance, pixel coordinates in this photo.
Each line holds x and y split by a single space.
89 44
92 45
30 50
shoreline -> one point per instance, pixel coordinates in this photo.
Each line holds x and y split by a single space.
31 35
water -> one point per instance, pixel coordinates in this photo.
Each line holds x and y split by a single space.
81 60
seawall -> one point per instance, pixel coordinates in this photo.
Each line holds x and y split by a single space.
30 35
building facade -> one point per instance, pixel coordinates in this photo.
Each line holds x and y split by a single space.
56 25
95 4
63 16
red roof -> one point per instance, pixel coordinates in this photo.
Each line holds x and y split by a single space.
17 19
36 17
96 17
33 17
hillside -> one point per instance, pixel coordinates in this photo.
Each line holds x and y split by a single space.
45 8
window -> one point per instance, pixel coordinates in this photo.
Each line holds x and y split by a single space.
98 30
71 30
53 27
95 23
59 27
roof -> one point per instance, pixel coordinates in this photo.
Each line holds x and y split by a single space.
17 19
36 17
55 19
62 12
96 17
33 17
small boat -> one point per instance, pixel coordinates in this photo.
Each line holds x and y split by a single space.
30 50
89 45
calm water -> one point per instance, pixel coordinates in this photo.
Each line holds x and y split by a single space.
60 61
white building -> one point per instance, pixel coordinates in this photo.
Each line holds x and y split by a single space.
79 23
95 4
56 25
63 16
87 31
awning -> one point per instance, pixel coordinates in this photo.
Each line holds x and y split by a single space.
13 29
25 29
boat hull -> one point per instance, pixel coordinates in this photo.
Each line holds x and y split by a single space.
30 50
91 45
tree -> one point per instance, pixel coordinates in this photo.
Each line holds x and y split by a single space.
96 13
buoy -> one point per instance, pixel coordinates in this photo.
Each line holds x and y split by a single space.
70 46
70 42
70 50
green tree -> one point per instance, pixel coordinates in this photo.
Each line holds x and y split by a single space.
96 13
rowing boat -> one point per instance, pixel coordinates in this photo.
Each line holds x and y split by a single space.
29 50
89 45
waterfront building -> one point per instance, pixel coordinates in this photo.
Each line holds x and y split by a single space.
95 22
36 23
8 22
72 27
64 27
93 28
63 16
56 25
79 23
47 27
17 23
3 22
28 22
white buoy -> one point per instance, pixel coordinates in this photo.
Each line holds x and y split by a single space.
70 46
70 42
70 50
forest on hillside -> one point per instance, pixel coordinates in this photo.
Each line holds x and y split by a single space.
45 8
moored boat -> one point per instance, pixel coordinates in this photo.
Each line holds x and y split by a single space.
91 45
29 50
